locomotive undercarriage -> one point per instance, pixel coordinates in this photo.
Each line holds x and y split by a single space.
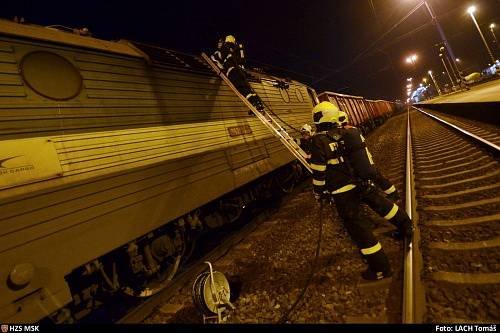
146 265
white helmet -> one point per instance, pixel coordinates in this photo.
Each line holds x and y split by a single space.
326 112
306 128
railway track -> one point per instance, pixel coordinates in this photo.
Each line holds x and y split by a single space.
485 133
457 183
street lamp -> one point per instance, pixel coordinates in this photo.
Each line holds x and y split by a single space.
443 37
450 64
435 83
471 11
492 26
446 68
411 59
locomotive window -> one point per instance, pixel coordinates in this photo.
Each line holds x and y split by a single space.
51 75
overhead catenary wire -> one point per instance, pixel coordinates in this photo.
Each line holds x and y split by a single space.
369 48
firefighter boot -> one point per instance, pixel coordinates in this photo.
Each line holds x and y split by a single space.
378 266
404 225
256 102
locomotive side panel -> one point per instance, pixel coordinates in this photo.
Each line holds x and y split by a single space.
138 146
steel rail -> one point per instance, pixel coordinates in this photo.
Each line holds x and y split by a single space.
408 282
475 137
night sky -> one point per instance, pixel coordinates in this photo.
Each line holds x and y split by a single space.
306 40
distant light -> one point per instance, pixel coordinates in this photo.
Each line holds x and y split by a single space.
411 59
409 79
471 10
421 85
430 72
457 60
492 25
440 54
425 80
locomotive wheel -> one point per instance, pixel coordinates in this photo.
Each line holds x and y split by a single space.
157 283
232 209
167 271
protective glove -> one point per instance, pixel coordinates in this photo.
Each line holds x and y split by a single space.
367 186
394 196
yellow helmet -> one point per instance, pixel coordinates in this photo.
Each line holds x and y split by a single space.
230 39
326 112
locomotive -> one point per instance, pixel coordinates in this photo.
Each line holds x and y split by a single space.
113 157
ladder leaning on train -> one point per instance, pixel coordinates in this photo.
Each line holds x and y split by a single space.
268 121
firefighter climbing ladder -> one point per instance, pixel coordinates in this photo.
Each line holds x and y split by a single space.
266 119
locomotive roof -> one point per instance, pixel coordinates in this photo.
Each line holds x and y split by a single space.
152 54
36 32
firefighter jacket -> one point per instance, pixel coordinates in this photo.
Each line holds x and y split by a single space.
361 160
356 152
305 144
230 56
330 171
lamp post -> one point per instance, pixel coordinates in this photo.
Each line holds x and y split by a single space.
450 64
446 68
435 83
441 33
471 11
492 26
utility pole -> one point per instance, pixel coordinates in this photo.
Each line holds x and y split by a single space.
447 71
443 39
435 83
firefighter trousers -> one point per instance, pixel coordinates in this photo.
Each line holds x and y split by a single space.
348 206
389 211
238 79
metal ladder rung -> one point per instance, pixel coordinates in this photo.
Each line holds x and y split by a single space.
266 119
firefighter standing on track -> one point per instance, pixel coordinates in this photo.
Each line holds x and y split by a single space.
361 160
342 168
230 58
